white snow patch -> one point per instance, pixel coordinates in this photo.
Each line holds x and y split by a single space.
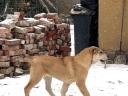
112 81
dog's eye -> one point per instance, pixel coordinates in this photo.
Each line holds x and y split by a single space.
101 52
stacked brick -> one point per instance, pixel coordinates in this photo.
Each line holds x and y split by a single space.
44 34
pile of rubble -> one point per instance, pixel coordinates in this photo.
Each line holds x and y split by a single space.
21 37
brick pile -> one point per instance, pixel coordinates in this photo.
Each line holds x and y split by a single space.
21 37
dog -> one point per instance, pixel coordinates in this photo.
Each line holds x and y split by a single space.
68 69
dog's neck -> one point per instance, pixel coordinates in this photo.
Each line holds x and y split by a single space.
86 54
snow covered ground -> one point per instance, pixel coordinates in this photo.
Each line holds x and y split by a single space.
112 81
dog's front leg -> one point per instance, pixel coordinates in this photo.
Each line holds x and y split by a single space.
35 77
48 82
81 85
64 89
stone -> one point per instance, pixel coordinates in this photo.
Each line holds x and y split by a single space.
1 52
6 71
5 33
39 36
40 15
2 41
11 47
30 46
13 42
20 30
15 52
4 58
8 23
38 29
22 23
120 59
19 58
2 76
33 51
4 64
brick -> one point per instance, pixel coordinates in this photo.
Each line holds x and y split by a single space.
59 41
19 35
4 64
20 30
31 41
4 58
65 48
40 15
40 44
2 41
22 41
7 70
22 23
16 64
1 52
30 38
51 42
13 42
17 58
31 35
15 52
45 22
51 52
62 26
11 47
18 71
2 76
20 15
65 53
27 41
53 16
37 29
8 23
51 47
43 53
30 46
5 33
50 34
30 29
32 21
33 51
27 22
40 36
12 17
44 28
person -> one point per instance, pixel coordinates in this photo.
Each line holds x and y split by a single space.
92 5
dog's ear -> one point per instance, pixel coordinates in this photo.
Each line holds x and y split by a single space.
94 49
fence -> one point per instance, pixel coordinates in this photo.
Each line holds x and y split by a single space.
30 7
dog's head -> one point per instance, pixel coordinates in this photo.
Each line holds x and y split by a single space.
98 54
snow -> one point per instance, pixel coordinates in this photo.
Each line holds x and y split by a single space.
112 81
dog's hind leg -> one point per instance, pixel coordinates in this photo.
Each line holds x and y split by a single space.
64 89
48 81
35 77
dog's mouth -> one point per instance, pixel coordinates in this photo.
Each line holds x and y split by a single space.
103 61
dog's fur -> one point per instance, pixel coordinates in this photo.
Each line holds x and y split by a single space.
67 69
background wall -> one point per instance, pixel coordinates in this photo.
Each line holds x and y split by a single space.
110 22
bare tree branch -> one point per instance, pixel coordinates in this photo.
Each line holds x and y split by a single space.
6 7
51 4
43 4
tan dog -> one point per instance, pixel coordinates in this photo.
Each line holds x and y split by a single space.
67 69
